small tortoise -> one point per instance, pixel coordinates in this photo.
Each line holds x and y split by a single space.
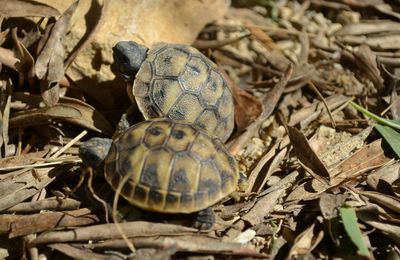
168 167
179 82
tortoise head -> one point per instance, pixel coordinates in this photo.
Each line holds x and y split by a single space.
94 151
129 56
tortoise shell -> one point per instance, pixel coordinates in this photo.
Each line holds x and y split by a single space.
179 82
170 167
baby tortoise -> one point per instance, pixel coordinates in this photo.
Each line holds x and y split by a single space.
172 167
179 82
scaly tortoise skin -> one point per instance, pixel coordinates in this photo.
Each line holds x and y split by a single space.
179 82
172 167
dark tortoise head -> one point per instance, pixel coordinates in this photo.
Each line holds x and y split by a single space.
94 151
129 56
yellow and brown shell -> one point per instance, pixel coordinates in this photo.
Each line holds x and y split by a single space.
170 167
179 82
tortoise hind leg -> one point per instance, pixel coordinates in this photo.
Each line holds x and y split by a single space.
205 219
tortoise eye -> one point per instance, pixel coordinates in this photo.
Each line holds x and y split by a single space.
155 130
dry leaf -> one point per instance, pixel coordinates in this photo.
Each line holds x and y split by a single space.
21 8
49 66
306 241
68 109
263 207
307 156
25 183
330 204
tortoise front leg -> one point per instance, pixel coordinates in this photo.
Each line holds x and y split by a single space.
128 119
205 219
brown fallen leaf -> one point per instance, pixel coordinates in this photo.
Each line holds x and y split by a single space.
365 60
384 178
247 107
68 109
21 8
26 64
384 200
308 158
7 58
315 110
22 159
330 203
21 225
49 66
273 166
269 102
371 216
307 241
263 207
5 101
367 158
25 183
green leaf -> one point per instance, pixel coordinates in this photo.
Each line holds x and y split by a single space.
391 136
392 123
350 223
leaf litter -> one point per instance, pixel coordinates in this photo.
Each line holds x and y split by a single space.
322 182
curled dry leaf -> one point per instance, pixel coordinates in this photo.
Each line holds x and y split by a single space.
372 217
5 101
68 110
307 241
26 64
49 66
21 8
383 179
247 107
7 58
384 200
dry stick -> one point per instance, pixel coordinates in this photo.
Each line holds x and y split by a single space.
70 160
315 89
90 187
269 102
54 156
215 44
68 145
114 212
46 204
